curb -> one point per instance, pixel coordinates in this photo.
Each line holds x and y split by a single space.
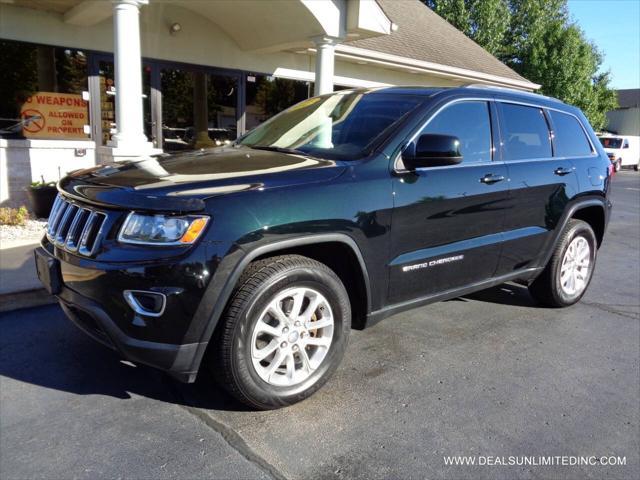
25 299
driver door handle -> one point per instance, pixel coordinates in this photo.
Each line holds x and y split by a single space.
490 179
562 171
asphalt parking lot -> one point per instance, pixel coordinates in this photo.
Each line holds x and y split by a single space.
489 374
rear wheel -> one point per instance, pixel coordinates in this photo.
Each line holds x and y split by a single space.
570 269
284 333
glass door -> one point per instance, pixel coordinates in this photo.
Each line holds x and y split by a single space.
108 92
198 108
185 107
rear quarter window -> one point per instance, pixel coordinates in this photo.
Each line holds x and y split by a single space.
570 140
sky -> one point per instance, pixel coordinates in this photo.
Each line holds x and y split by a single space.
614 26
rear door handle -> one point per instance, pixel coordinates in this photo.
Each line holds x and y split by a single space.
490 178
562 171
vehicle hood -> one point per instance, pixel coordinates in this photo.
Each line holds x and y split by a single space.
612 150
183 181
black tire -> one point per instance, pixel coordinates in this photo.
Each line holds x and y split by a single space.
547 288
260 283
636 166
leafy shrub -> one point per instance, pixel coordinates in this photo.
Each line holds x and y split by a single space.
14 216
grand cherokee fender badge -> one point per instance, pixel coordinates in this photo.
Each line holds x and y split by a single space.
432 263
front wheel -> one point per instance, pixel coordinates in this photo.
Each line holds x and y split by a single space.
567 275
284 332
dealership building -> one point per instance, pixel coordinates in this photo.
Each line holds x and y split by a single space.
96 81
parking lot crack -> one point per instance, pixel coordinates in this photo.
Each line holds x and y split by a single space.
233 439
611 309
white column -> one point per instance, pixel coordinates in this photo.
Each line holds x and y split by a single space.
325 58
129 137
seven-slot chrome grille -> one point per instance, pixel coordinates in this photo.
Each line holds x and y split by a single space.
74 227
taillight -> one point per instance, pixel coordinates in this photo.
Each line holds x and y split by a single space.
612 170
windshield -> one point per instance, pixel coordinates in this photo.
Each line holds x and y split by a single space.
608 142
338 126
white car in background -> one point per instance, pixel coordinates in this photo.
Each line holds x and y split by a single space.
623 150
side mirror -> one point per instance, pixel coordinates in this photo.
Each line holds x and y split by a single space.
432 150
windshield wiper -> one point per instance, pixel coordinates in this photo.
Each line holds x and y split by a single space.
272 148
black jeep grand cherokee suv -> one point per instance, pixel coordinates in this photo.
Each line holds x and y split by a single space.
255 260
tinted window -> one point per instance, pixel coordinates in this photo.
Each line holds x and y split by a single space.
570 139
469 121
525 133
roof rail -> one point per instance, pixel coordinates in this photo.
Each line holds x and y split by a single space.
500 88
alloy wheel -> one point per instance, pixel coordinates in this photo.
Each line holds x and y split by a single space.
292 336
574 270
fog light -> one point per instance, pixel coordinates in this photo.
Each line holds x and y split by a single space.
150 304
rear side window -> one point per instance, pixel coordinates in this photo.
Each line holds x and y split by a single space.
470 122
525 133
569 139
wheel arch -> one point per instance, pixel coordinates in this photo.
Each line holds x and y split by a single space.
594 215
311 246
586 209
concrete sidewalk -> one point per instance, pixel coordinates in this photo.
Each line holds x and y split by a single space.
19 284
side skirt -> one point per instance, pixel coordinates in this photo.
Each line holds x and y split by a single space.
378 315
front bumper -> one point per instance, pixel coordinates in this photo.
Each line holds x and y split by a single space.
177 359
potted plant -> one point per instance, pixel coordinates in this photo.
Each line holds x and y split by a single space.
42 195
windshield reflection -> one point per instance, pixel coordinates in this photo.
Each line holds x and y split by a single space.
340 125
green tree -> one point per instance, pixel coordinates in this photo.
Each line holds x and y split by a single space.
484 21
490 21
539 41
456 12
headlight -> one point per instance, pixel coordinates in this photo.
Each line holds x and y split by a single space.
161 229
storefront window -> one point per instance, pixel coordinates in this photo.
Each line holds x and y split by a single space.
198 109
184 107
42 92
267 96
108 100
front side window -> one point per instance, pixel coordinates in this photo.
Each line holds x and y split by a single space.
570 139
470 122
338 126
525 133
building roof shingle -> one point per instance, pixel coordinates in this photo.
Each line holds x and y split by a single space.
424 35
